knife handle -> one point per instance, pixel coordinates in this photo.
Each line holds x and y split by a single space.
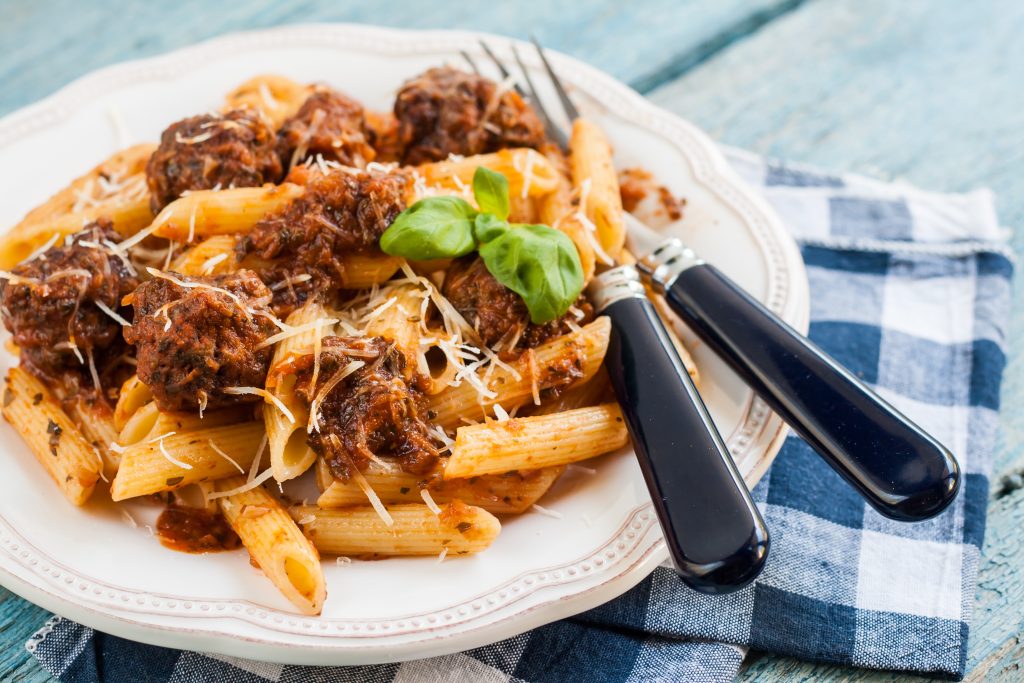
715 534
903 472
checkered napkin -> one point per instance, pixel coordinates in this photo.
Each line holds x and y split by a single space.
910 291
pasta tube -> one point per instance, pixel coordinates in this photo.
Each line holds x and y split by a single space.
275 543
115 189
205 213
529 173
96 423
539 441
459 529
499 494
400 322
289 454
597 183
51 435
535 371
134 395
276 97
213 256
557 210
174 460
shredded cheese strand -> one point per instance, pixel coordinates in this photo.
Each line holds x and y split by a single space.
221 453
266 395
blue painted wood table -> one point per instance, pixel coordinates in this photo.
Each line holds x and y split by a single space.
925 91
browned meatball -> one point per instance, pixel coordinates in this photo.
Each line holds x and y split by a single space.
497 313
235 149
50 305
369 412
194 342
330 125
446 111
339 213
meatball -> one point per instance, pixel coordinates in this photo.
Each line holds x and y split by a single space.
51 305
446 111
328 124
306 240
235 149
498 314
369 412
195 341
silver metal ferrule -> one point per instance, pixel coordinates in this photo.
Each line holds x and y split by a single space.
614 285
663 265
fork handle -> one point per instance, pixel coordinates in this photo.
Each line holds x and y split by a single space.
714 532
903 472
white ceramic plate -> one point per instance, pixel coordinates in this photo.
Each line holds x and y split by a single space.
90 565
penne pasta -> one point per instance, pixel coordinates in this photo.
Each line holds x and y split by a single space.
286 439
528 378
96 422
213 256
204 213
458 530
357 271
275 543
115 189
538 441
590 393
556 209
511 493
134 395
165 463
597 183
276 97
52 436
400 322
529 173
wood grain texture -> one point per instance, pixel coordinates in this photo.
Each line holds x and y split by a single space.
915 91
919 90
637 42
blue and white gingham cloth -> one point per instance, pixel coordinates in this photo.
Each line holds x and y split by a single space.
910 290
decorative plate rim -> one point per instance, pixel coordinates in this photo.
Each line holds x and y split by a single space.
123 610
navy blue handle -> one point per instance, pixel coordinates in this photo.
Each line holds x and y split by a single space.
903 472
715 534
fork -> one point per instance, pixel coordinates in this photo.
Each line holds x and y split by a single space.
904 473
714 533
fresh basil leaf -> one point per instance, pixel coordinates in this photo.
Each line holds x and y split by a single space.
538 263
490 189
435 227
488 227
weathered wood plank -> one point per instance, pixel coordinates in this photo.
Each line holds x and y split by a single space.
904 90
635 41
19 619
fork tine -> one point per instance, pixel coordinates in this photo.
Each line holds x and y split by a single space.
469 60
570 108
501 67
553 131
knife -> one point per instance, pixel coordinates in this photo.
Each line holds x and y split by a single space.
715 534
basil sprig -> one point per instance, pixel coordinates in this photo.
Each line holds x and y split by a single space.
537 262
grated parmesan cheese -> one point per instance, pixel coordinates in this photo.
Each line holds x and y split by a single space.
547 512
128 519
314 406
265 395
209 264
295 331
248 486
224 455
112 313
170 458
428 499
